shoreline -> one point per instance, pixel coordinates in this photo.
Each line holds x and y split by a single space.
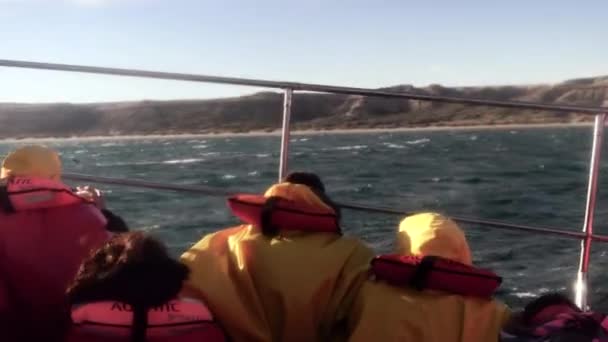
277 132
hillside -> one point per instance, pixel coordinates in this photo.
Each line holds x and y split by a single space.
262 111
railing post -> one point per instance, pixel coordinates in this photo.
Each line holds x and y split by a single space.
285 134
581 287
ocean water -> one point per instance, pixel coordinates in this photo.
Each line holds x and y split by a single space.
526 176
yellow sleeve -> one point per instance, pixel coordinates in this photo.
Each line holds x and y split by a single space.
229 294
353 276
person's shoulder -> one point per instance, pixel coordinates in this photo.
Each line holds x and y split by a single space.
212 239
356 244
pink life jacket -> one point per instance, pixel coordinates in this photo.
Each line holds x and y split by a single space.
181 320
45 233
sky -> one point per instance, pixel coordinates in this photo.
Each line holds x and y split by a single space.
361 43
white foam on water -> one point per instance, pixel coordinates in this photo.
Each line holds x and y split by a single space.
228 176
391 145
348 148
253 173
200 146
144 162
418 141
473 137
183 161
262 155
110 144
524 294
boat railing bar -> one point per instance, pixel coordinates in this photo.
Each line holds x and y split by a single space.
197 189
582 279
285 133
211 191
294 86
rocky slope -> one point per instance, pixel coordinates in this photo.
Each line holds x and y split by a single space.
262 111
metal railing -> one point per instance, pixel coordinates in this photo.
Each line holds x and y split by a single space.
586 236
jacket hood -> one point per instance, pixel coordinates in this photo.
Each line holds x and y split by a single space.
32 161
433 234
297 193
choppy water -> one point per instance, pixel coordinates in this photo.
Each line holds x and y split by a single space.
531 176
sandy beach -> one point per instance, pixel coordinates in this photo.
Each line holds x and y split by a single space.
300 132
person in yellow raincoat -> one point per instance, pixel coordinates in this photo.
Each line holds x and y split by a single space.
286 285
384 312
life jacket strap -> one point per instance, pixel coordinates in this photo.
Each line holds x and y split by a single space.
420 278
5 202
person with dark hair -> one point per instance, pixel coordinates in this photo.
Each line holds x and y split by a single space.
286 273
316 185
553 317
128 291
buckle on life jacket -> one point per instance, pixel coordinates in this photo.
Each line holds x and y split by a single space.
420 277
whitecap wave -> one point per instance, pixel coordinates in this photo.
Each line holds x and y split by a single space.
348 148
228 176
201 146
183 161
262 155
525 294
143 162
418 141
391 145
110 144
253 173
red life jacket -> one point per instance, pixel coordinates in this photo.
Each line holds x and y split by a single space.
182 320
21 193
45 233
436 273
286 214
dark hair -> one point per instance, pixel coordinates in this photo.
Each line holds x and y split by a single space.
543 302
309 179
132 268
313 182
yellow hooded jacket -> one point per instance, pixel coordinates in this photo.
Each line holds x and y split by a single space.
293 287
387 313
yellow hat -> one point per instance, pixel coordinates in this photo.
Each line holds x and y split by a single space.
433 234
32 161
